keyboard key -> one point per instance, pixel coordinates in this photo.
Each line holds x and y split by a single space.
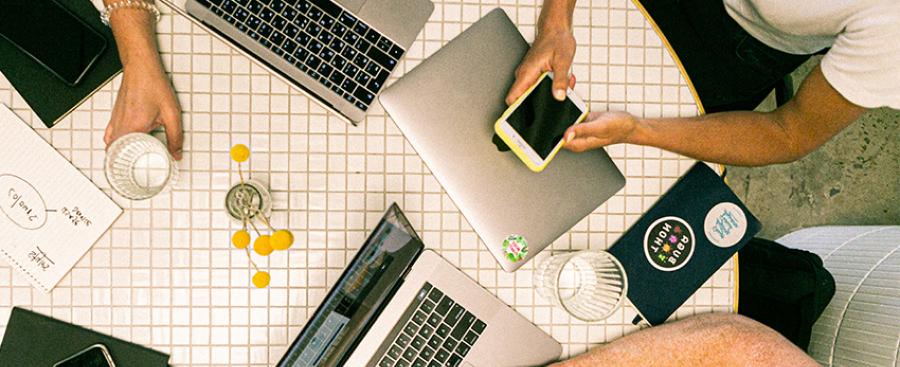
313 29
360 28
372 69
254 6
463 349
434 320
337 45
303 38
327 22
409 354
450 343
265 30
339 30
402 363
279 22
360 60
362 45
418 363
455 313
351 38
386 362
314 14
434 363
291 31
361 106
339 63
454 361
229 6
384 44
427 306
443 330
290 59
441 355
326 70
302 22
362 78
381 58
277 39
328 6
348 85
460 329
315 46
418 342
378 82
265 43
347 19
419 317
444 306
304 6
426 330
277 6
266 2
394 352
267 14
349 54
372 36
289 14
411 328
470 337
427 353
242 15
229 19
253 22
403 339
396 52
206 3
350 70
325 37
327 55
435 342
479 326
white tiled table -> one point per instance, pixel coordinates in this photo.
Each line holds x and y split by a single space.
165 275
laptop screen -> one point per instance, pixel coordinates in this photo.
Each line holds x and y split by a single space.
358 296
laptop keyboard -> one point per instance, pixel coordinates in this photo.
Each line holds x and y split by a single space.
321 39
438 332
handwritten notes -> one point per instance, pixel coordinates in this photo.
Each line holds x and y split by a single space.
52 214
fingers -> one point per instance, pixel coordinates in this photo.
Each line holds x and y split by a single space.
174 133
526 75
561 78
572 81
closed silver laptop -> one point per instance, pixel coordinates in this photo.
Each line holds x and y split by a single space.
446 107
340 52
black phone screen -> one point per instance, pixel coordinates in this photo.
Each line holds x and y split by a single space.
92 357
51 35
541 120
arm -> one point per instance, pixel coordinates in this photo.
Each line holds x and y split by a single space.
705 340
745 138
552 50
146 99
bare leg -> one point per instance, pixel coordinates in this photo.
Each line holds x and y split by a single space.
705 340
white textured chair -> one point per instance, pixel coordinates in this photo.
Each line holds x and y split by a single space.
861 325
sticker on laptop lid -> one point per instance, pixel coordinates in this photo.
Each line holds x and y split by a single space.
725 224
515 247
669 243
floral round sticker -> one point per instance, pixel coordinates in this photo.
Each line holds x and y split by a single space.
515 247
669 243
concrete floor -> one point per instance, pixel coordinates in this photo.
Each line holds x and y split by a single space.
853 179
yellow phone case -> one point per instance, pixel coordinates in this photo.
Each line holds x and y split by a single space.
515 147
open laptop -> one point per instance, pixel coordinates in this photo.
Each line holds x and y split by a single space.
446 107
340 52
398 304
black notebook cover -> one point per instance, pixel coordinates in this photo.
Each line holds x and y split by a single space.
681 241
33 339
49 97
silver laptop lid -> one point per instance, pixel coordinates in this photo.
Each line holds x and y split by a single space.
446 108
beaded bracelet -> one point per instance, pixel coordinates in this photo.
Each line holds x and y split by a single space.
137 4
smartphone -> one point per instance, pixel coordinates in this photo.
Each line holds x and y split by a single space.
533 126
52 36
94 356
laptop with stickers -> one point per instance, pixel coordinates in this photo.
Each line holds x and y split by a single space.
681 241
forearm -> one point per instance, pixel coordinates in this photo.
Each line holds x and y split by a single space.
742 138
556 14
135 33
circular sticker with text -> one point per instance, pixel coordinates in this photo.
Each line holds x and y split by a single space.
669 243
725 225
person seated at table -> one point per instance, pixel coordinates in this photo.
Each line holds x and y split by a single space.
734 52
146 100
704 340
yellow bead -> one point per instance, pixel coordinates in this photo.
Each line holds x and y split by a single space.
282 239
261 279
240 153
263 245
240 239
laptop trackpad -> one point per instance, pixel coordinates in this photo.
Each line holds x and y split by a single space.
400 20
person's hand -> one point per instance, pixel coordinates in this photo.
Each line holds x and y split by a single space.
600 129
553 50
145 102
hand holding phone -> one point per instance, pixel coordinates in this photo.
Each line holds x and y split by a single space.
534 126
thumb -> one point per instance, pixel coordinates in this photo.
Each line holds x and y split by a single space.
174 135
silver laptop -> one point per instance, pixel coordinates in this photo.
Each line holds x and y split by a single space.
397 304
340 52
446 107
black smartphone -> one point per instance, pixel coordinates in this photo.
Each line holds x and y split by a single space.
94 356
52 36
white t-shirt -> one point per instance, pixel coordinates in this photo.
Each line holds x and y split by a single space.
863 63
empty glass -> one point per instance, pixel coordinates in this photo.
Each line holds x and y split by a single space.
590 285
138 166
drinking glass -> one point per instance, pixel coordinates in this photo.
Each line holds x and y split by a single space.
138 166
589 285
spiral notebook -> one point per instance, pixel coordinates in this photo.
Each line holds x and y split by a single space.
681 241
50 213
